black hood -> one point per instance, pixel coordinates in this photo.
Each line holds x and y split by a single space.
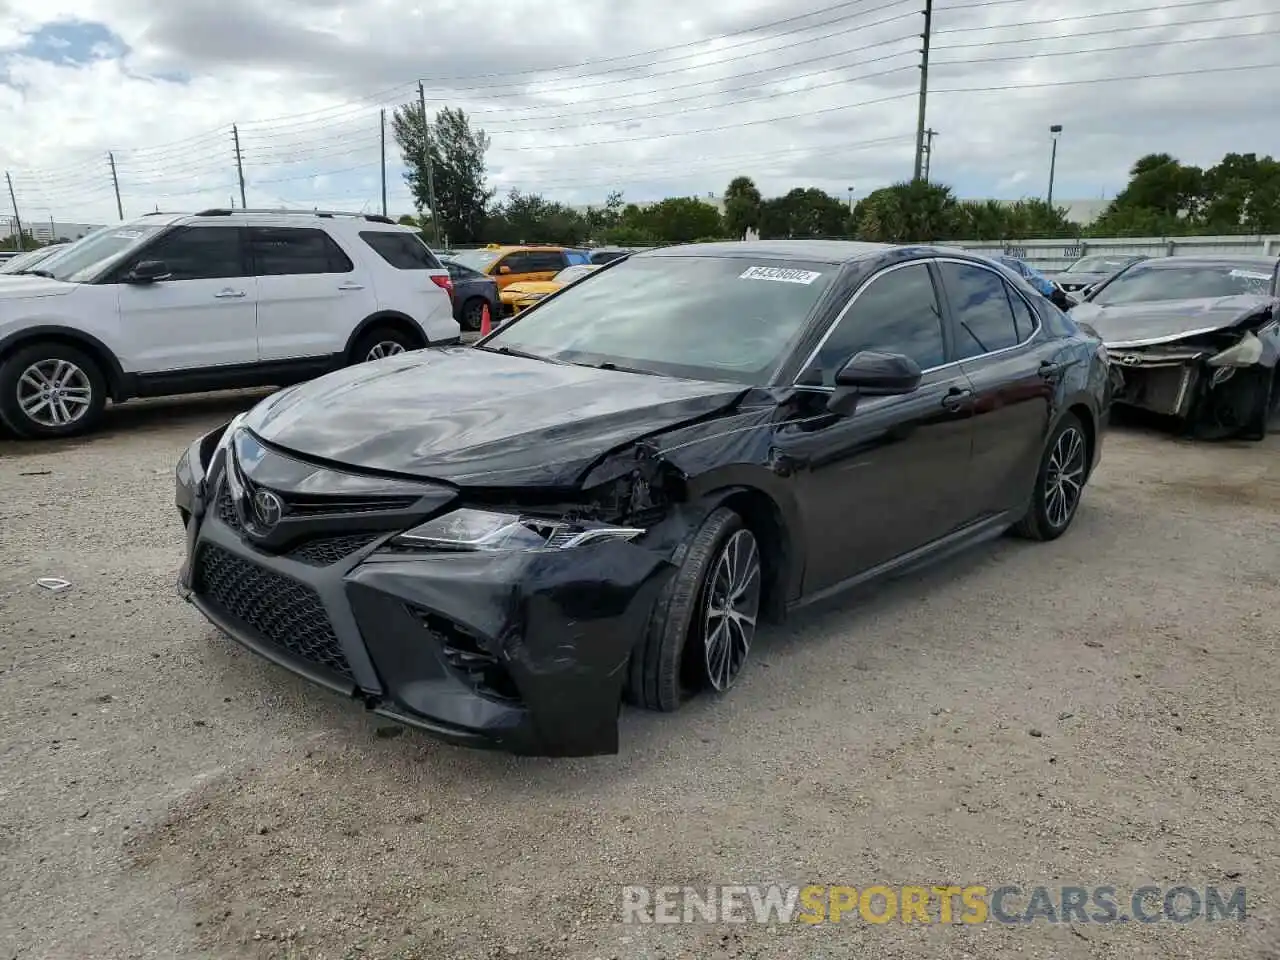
471 417
1135 324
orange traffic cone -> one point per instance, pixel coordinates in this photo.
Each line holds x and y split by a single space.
486 324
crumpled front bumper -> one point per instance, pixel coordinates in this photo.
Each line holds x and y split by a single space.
525 652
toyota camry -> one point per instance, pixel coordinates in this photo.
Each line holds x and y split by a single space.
597 503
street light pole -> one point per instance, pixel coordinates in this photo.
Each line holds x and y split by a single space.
1054 131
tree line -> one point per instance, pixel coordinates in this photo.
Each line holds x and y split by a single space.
1238 195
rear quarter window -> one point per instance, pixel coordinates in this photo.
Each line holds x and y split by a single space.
404 251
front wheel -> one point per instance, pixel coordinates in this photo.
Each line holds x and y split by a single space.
50 390
1064 469
702 626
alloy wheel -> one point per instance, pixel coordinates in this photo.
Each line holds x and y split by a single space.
384 348
1064 479
54 393
732 604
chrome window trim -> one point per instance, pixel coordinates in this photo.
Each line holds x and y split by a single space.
1039 323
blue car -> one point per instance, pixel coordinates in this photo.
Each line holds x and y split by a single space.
1039 281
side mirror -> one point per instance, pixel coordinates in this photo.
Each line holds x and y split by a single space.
148 271
874 374
504 269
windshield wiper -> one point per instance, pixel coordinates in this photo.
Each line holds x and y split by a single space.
513 352
34 273
610 365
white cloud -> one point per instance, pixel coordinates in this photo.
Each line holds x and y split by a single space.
666 97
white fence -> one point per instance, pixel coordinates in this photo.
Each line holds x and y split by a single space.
1056 254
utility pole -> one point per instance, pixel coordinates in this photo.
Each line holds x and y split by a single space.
382 117
1054 131
924 84
427 162
928 151
235 136
17 217
115 182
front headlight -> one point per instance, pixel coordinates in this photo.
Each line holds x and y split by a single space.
473 530
1245 353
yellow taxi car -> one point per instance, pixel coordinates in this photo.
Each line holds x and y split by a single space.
519 264
520 296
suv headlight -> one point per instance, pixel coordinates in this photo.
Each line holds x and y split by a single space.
469 530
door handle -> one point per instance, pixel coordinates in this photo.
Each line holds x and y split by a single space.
957 398
1051 370
229 294
351 286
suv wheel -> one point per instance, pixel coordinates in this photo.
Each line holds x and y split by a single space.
382 342
51 390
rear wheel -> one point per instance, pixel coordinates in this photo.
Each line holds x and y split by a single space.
473 313
51 390
1064 469
702 626
382 342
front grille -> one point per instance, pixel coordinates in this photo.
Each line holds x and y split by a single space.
279 610
326 551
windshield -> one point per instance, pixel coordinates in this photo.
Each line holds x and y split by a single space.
705 318
570 274
92 254
1149 282
25 261
1099 264
476 259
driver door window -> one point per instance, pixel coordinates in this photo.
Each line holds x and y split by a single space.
896 312
198 253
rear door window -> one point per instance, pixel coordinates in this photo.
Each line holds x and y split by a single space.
979 302
290 251
404 251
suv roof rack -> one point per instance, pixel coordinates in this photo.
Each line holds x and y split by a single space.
227 212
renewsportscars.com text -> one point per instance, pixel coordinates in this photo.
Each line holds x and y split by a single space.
963 904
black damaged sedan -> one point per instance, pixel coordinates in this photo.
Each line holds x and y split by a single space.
598 502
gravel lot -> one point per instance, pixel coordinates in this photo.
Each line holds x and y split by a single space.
164 794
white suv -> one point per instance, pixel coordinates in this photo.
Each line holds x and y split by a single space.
221 299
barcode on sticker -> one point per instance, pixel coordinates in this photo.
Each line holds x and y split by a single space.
780 274
1250 275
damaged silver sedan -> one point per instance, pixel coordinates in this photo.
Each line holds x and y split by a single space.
1196 338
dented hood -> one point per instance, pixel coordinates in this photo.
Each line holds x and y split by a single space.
471 417
1163 321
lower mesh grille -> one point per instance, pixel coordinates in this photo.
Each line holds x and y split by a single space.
226 509
279 610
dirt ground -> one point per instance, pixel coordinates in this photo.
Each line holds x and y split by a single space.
1100 710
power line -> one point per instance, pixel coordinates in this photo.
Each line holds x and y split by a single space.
1126 46
1083 16
1101 33
1132 76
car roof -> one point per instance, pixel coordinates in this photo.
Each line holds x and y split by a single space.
814 251
521 247
1212 260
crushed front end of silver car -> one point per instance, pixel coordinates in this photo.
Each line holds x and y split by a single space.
1220 382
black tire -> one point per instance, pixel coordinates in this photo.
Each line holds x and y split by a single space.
664 672
51 352
472 312
375 336
1044 519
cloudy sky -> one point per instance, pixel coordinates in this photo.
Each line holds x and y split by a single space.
650 97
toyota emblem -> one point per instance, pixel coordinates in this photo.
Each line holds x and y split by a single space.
267 509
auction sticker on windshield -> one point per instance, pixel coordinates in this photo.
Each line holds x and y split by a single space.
1250 275
780 274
